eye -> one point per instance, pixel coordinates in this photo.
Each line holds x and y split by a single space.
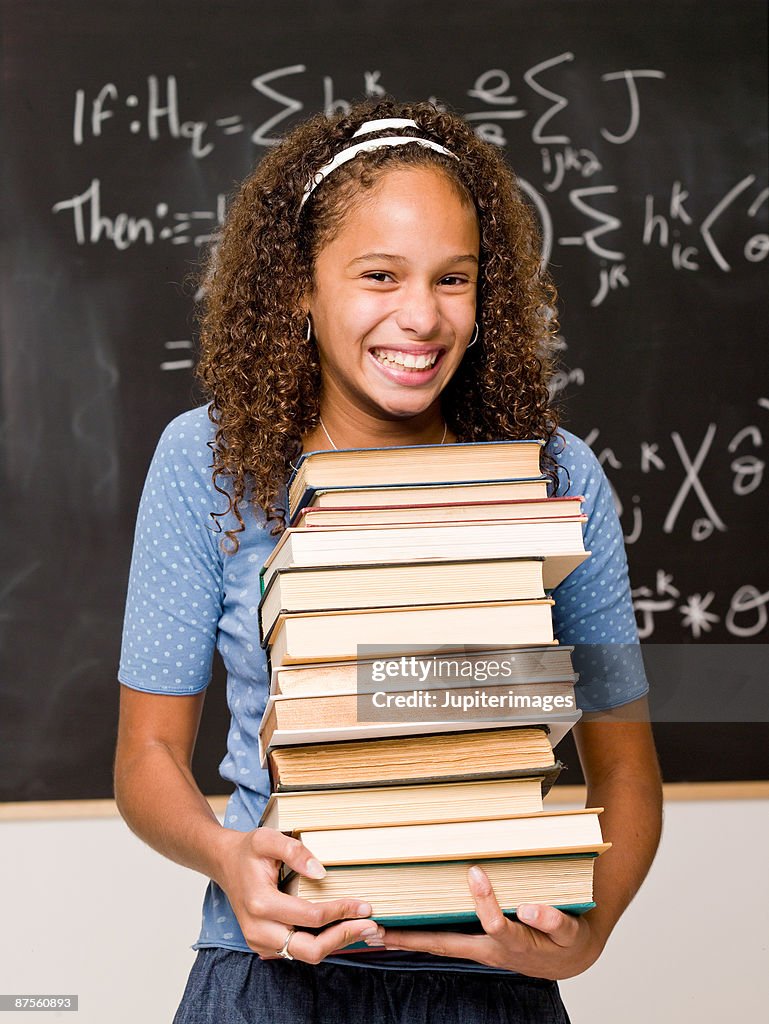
453 280
380 276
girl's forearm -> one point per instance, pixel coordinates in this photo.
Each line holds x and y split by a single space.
631 822
162 804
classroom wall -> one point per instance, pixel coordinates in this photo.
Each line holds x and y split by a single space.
675 956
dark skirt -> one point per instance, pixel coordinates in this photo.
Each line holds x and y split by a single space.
228 987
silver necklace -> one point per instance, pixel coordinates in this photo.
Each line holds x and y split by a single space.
331 440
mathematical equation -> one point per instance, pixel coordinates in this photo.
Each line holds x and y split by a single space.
594 210
590 215
109 111
746 613
579 207
91 225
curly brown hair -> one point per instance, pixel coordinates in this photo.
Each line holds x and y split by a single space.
262 375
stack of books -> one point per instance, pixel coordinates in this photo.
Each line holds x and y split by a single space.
405 575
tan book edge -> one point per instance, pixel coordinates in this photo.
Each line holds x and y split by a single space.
557 566
441 801
341 531
502 852
440 888
558 727
330 588
329 635
332 517
414 495
540 833
508 752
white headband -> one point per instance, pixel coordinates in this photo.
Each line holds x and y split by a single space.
368 144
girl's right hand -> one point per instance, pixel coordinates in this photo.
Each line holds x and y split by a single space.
249 870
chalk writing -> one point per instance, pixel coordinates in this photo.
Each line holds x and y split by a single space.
584 214
657 226
91 225
746 612
261 137
562 378
629 78
744 602
590 221
560 162
178 364
748 474
492 88
743 615
161 115
701 528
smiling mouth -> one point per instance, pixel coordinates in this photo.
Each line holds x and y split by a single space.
406 360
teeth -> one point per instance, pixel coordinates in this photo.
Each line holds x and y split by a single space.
405 359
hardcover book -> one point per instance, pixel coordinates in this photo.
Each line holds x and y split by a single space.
558 541
398 584
423 757
408 495
436 894
337 635
449 511
414 464
308 810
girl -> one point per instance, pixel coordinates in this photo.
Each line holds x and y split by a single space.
377 283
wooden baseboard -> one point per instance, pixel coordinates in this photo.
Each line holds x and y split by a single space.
683 791
674 791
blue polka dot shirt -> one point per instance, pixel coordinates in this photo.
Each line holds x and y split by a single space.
185 597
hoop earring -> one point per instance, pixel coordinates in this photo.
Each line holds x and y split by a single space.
474 338
308 331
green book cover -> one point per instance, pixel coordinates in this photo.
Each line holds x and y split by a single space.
460 917
444 922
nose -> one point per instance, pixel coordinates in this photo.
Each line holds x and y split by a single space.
419 313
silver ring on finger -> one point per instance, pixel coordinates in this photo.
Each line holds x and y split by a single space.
283 951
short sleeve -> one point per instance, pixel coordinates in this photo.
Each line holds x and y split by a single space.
593 606
174 598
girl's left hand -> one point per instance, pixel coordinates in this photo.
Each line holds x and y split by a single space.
543 943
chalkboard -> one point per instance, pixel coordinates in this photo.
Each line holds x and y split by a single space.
639 134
